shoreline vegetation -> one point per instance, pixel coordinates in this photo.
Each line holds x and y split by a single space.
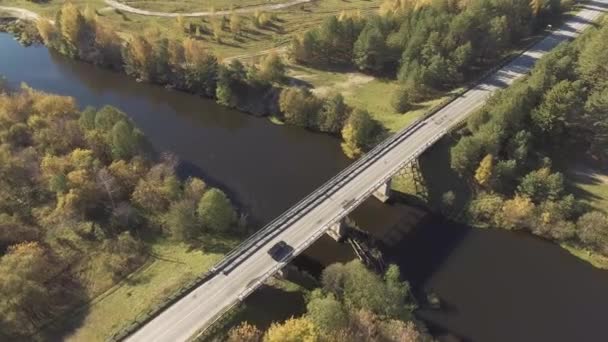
84 204
531 158
401 43
87 209
348 303
515 150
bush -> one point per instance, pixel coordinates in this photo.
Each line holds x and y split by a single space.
400 100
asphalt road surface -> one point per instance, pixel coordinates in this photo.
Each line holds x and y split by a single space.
199 308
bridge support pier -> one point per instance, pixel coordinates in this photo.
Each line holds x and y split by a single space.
338 230
383 193
419 183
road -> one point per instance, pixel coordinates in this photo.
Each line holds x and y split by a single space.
201 306
20 13
250 9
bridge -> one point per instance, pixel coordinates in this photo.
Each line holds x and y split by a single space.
246 268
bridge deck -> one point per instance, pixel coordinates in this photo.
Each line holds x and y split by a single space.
251 266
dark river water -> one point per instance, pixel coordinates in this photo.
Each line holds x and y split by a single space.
494 285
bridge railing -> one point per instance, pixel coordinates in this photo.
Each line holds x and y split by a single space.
273 227
259 238
317 234
297 210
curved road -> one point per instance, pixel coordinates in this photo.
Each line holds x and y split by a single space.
252 266
251 9
20 13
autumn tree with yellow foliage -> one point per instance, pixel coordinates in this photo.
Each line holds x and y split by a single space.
354 304
77 190
292 330
484 171
558 113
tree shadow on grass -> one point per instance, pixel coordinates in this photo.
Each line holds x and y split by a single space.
577 179
581 170
211 243
141 278
66 322
298 82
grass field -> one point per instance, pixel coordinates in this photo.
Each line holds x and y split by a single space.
590 184
183 6
360 91
594 259
170 266
251 40
364 92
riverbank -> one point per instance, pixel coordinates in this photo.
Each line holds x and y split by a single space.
251 40
21 29
220 143
96 209
503 190
260 97
433 183
170 266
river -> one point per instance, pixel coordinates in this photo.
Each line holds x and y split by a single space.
494 285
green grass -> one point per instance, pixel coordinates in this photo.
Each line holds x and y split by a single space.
590 185
375 98
593 258
290 21
171 266
49 8
184 6
275 120
365 92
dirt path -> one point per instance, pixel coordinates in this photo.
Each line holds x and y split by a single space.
127 8
18 13
279 50
353 80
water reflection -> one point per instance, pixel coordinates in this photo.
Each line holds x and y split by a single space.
495 285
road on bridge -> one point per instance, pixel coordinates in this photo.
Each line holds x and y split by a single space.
202 306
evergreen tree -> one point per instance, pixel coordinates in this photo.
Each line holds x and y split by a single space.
370 49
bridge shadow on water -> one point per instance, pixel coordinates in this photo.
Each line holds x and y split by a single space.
422 252
493 285
279 305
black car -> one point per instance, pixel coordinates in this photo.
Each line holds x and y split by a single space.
280 250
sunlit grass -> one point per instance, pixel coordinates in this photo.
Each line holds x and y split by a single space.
184 6
591 186
593 258
171 266
287 23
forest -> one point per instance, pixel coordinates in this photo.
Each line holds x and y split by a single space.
512 150
428 46
351 304
81 197
186 64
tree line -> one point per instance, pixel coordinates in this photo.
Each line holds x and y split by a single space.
353 304
426 45
509 147
186 64
332 115
80 188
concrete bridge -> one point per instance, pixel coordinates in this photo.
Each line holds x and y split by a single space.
323 211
